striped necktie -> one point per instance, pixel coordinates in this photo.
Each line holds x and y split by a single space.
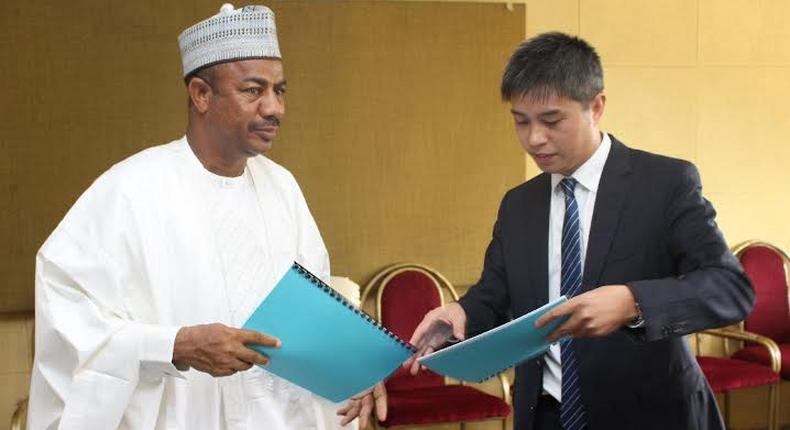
572 413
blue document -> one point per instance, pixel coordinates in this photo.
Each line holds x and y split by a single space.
483 356
329 346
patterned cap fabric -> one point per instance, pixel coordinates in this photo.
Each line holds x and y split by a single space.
232 34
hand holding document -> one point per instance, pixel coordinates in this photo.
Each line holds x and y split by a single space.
436 329
329 346
335 350
483 356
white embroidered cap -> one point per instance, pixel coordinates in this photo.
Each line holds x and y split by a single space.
232 34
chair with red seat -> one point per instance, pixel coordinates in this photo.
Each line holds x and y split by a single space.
404 294
726 373
768 267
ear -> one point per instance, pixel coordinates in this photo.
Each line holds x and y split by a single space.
200 93
597 107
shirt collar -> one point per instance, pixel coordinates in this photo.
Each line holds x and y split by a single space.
589 173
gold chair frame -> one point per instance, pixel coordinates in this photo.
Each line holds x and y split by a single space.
739 334
776 364
440 282
19 419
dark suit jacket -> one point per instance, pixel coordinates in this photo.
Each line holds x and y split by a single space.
653 230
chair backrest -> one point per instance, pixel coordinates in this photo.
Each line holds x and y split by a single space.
767 267
19 418
347 288
405 293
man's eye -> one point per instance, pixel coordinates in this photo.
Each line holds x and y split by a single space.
279 91
253 91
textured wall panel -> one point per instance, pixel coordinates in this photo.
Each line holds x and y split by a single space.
394 127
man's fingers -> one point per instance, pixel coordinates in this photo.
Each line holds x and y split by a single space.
415 365
239 365
351 413
228 368
250 337
364 412
566 329
566 308
218 373
459 332
423 350
419 332
379 390
380 399
555 335
544 319
251 356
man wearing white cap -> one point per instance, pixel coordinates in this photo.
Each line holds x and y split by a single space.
139 287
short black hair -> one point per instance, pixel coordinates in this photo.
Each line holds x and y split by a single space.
553 64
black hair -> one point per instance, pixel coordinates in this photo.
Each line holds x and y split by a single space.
553 64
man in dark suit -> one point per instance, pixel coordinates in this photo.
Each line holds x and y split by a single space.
626 235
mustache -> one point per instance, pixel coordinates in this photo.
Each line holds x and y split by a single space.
269 121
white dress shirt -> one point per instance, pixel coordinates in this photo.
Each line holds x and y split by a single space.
588 175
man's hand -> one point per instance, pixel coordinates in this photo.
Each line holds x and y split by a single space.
219 350
435 330
597 312
363 404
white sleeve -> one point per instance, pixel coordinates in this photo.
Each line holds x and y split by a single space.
91 354
89 351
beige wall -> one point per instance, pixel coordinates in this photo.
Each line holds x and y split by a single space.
396 132
394 128
704 80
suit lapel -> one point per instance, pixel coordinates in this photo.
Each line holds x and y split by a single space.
612 192
537 243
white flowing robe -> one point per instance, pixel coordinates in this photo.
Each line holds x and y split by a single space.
134 260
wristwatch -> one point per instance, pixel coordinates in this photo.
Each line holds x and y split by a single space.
638 321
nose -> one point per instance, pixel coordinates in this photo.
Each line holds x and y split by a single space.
535 136
272 104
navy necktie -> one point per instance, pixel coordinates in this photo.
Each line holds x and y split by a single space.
572 414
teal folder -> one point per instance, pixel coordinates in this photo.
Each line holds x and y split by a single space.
483 356
329 346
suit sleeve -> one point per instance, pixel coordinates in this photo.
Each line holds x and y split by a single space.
486 303
711 289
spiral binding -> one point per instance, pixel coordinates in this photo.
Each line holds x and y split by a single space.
339 297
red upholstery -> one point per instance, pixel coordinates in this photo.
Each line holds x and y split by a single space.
725 374
424 398
758 354
771 314
766 268
405 299
445 404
